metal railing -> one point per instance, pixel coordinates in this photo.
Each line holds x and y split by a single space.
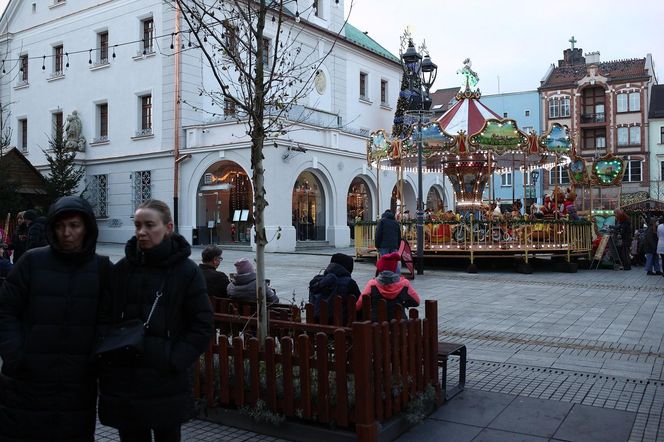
593 118
473 239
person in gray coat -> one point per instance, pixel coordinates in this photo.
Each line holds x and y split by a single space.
243 283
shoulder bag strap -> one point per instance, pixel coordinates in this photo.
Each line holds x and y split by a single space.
158 294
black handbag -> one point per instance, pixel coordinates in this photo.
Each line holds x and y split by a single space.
124 340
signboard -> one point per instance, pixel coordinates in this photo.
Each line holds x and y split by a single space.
557 140
499 136
601 248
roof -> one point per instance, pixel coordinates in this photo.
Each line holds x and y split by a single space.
361 39
468 115
441 99
657 101
612 70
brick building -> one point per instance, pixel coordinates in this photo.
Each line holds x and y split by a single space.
605 105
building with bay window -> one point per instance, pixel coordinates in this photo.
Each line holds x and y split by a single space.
605 105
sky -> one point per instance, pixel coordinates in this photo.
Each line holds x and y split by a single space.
512 43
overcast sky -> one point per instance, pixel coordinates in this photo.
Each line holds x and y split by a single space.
515 40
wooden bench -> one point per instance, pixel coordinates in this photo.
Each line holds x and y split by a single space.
445 350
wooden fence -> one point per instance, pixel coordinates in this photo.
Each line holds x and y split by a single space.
353 377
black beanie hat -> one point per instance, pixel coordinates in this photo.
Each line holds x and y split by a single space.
30 215
343 260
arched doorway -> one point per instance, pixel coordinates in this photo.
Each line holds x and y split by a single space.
435 200
358 204
309 208
407 201
224 208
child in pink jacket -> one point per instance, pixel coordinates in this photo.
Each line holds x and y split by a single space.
388 285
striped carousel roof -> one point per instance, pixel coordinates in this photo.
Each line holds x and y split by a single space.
468 114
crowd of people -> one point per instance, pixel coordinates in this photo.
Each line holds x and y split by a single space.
61 301
62 306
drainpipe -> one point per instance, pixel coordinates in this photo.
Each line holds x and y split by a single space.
176 123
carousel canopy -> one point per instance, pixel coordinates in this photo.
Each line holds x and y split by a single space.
468 114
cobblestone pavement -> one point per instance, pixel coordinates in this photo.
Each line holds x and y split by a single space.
592 338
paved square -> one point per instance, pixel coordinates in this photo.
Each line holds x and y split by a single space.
592 338
589 424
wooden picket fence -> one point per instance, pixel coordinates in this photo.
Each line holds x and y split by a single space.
352 376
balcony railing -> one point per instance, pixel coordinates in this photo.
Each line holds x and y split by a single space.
593 118
144 132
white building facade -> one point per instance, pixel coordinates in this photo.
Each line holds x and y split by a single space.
139 103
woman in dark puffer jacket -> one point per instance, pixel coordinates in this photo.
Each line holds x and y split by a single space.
152 393
48 312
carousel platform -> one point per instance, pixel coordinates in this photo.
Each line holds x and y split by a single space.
517 240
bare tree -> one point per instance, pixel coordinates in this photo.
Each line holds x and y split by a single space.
260 83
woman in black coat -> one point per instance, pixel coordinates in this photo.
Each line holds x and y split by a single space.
152 392
48 312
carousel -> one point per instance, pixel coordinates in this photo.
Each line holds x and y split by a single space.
468 144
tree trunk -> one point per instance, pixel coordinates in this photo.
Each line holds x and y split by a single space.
257 138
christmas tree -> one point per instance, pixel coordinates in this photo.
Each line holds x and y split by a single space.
65 175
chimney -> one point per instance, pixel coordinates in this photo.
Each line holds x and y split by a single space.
592 57
572 57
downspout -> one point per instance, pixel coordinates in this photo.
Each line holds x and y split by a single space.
176 123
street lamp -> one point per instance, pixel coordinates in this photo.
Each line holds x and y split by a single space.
534 175
421 73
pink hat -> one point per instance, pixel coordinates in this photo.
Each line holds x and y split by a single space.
388 262
244 266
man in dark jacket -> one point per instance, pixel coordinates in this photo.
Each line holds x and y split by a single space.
335 280
48 311
388 234
216 281
37 235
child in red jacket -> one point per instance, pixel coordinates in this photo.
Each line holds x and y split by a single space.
388 285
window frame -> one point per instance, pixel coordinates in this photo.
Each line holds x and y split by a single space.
661 135
364 86
634 107
147 35
23 67
563 176
102 121
99 205
267 45
628 102
564 110
102 47
146 110
58 59
141 187
57 122
553 108
628 130
661 170
506 179
229 108
383 92
628 171
22 135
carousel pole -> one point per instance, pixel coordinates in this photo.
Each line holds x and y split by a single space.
523 180
488 171
513 182
378 194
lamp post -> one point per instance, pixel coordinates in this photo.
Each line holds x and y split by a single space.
534 175
421 74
